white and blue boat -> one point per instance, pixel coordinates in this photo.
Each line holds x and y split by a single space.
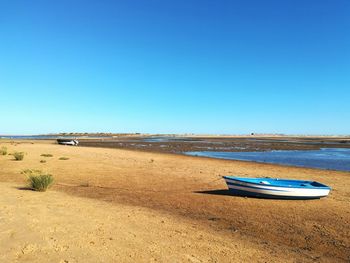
276 188
65 141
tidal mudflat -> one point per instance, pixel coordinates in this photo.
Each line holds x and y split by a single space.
180 144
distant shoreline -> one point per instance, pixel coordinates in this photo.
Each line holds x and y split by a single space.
254 135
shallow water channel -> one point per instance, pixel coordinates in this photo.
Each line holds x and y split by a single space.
325 158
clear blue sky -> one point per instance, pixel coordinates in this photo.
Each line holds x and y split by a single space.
179 66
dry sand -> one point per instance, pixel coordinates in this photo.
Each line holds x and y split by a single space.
56 227
112 205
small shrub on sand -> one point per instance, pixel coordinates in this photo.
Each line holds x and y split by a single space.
18 156
47 155
42 161
37 180
40 182
3 150
63 158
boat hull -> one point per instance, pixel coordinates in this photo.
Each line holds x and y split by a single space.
67 142
242 188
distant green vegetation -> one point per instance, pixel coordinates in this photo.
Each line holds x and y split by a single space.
63 158
47 155
37 180
18 156
3 150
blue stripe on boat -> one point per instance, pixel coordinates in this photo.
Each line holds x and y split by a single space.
260 188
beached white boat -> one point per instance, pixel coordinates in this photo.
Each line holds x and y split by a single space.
276 188
67 141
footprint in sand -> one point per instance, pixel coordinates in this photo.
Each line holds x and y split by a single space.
30 248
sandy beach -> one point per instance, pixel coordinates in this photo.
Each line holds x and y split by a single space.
116 205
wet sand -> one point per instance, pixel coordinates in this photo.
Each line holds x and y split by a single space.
96 183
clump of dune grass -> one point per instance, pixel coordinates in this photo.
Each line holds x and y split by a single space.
42 161
37 180
3 150
18 156
40 182
47 155
63 158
